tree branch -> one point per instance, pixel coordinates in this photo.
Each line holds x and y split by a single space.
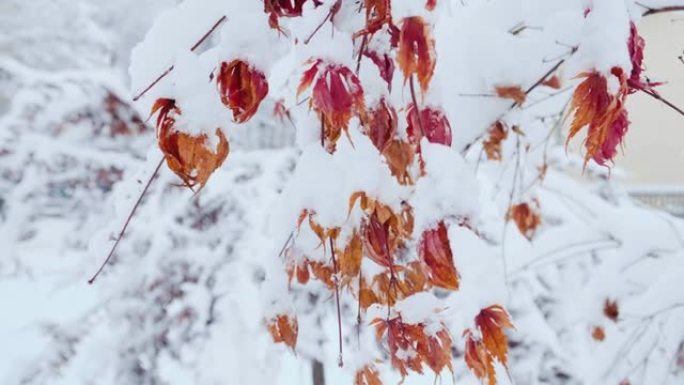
192 49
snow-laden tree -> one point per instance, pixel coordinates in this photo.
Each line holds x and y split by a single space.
426 200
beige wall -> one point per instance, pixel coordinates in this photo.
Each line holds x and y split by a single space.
654 146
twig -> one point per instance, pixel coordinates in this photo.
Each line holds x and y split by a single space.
168 70
128 221
657 96
653 11
340 362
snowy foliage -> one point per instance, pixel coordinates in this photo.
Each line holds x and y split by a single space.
485 207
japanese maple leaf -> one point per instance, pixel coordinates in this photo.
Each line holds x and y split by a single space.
368 375
284 8
478 359
187 156
337 95
611 310
525 218
378 13
381 124
242 88
416 54
284 328
435 251
400 155
384 62
492 145
602 112
492 321
431 123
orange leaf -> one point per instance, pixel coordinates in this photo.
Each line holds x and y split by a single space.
492 321
552 82
492 145
526 219
350 258
284 328
598 334
242 88
367 375
382 124
479 360
378 13
400 156
435 252
416 53
517 94
187 156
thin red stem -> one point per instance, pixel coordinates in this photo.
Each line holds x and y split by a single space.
128 221
657 96
416 106
192 49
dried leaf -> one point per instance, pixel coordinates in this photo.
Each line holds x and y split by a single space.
435 251
478 359
350 258
515 93
492 145
602 112
242 88
611 310
416 53
400 155
552 82
526 219
598 334
187 156
368 375
284 328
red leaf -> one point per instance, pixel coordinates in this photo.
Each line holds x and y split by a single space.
526 219
417 51
434 123
435 252
382 124
242 88
384 63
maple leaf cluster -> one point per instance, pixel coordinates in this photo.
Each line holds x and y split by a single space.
603 112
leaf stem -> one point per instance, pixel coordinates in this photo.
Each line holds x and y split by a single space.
192 49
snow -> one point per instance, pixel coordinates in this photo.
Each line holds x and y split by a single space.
197 276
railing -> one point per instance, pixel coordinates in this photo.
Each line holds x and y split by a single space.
666 198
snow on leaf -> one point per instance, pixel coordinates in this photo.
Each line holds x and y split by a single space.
284 328
187 156
337 95
384 63
242 88
416 53
435 252
368 375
